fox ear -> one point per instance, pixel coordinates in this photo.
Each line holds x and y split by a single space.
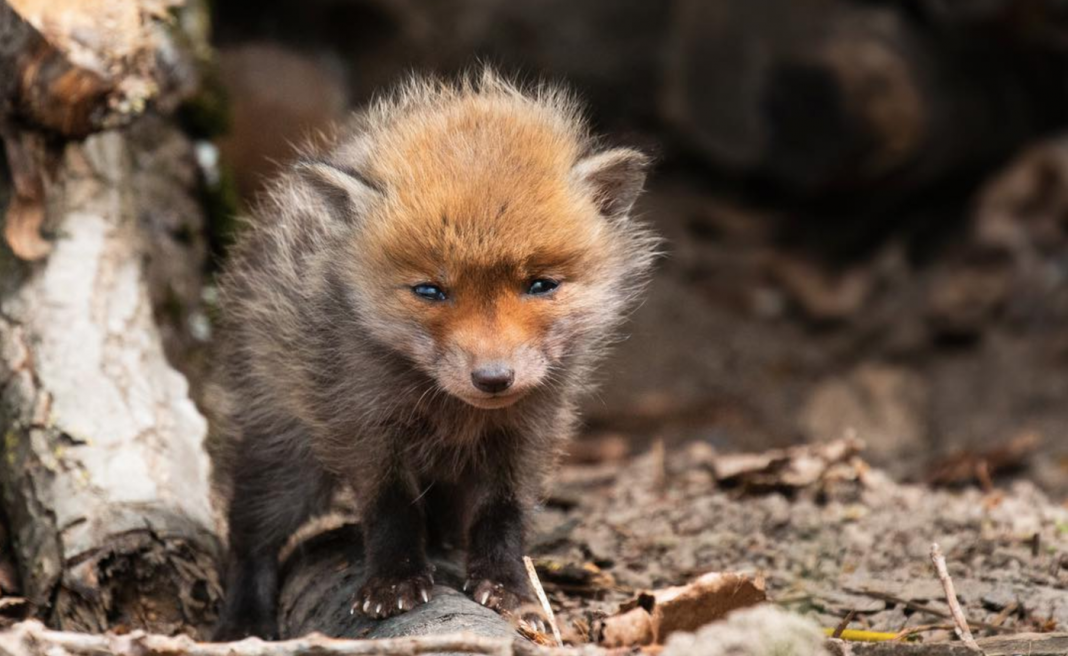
616 177
346 190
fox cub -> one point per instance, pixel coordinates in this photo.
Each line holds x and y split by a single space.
412 312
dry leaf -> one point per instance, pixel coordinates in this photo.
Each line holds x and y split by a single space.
653 616
795 467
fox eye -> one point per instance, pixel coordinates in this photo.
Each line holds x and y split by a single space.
542 286
429 292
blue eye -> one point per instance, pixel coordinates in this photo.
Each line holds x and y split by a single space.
429 292
542 286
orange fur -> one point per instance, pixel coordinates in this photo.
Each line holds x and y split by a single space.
481 200
340 372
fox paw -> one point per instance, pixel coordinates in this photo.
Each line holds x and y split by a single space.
385 596
507 602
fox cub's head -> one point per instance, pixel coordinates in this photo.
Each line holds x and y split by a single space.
491 243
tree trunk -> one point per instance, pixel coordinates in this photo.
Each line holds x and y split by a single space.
104 477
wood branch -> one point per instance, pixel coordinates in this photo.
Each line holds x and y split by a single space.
31 638
105 482
963 632
546 608
1032 644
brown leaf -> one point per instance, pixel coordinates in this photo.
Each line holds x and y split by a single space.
795 467
653 616
963 467
22 229
25 213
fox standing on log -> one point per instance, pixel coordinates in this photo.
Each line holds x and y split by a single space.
412 312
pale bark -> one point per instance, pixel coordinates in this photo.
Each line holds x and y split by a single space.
104 477
31 639
104 474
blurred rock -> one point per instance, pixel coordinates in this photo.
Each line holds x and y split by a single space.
885 405
963 299
764 630
823 295
1022 214
596 449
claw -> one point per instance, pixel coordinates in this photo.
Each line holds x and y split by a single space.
425 596
378 610
366 606
485 598
467 584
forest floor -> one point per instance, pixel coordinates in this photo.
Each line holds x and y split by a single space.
833 539
829 534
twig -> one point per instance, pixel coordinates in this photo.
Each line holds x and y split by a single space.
31 638
963 632
923 608
1005 612
535 582
844 624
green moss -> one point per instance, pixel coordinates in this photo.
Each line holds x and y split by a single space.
11 442
207 114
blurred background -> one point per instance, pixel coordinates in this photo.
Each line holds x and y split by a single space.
865 202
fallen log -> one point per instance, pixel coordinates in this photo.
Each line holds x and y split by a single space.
322 574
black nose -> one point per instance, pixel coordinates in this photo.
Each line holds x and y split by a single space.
493 378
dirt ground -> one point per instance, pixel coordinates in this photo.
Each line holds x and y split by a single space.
853 542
